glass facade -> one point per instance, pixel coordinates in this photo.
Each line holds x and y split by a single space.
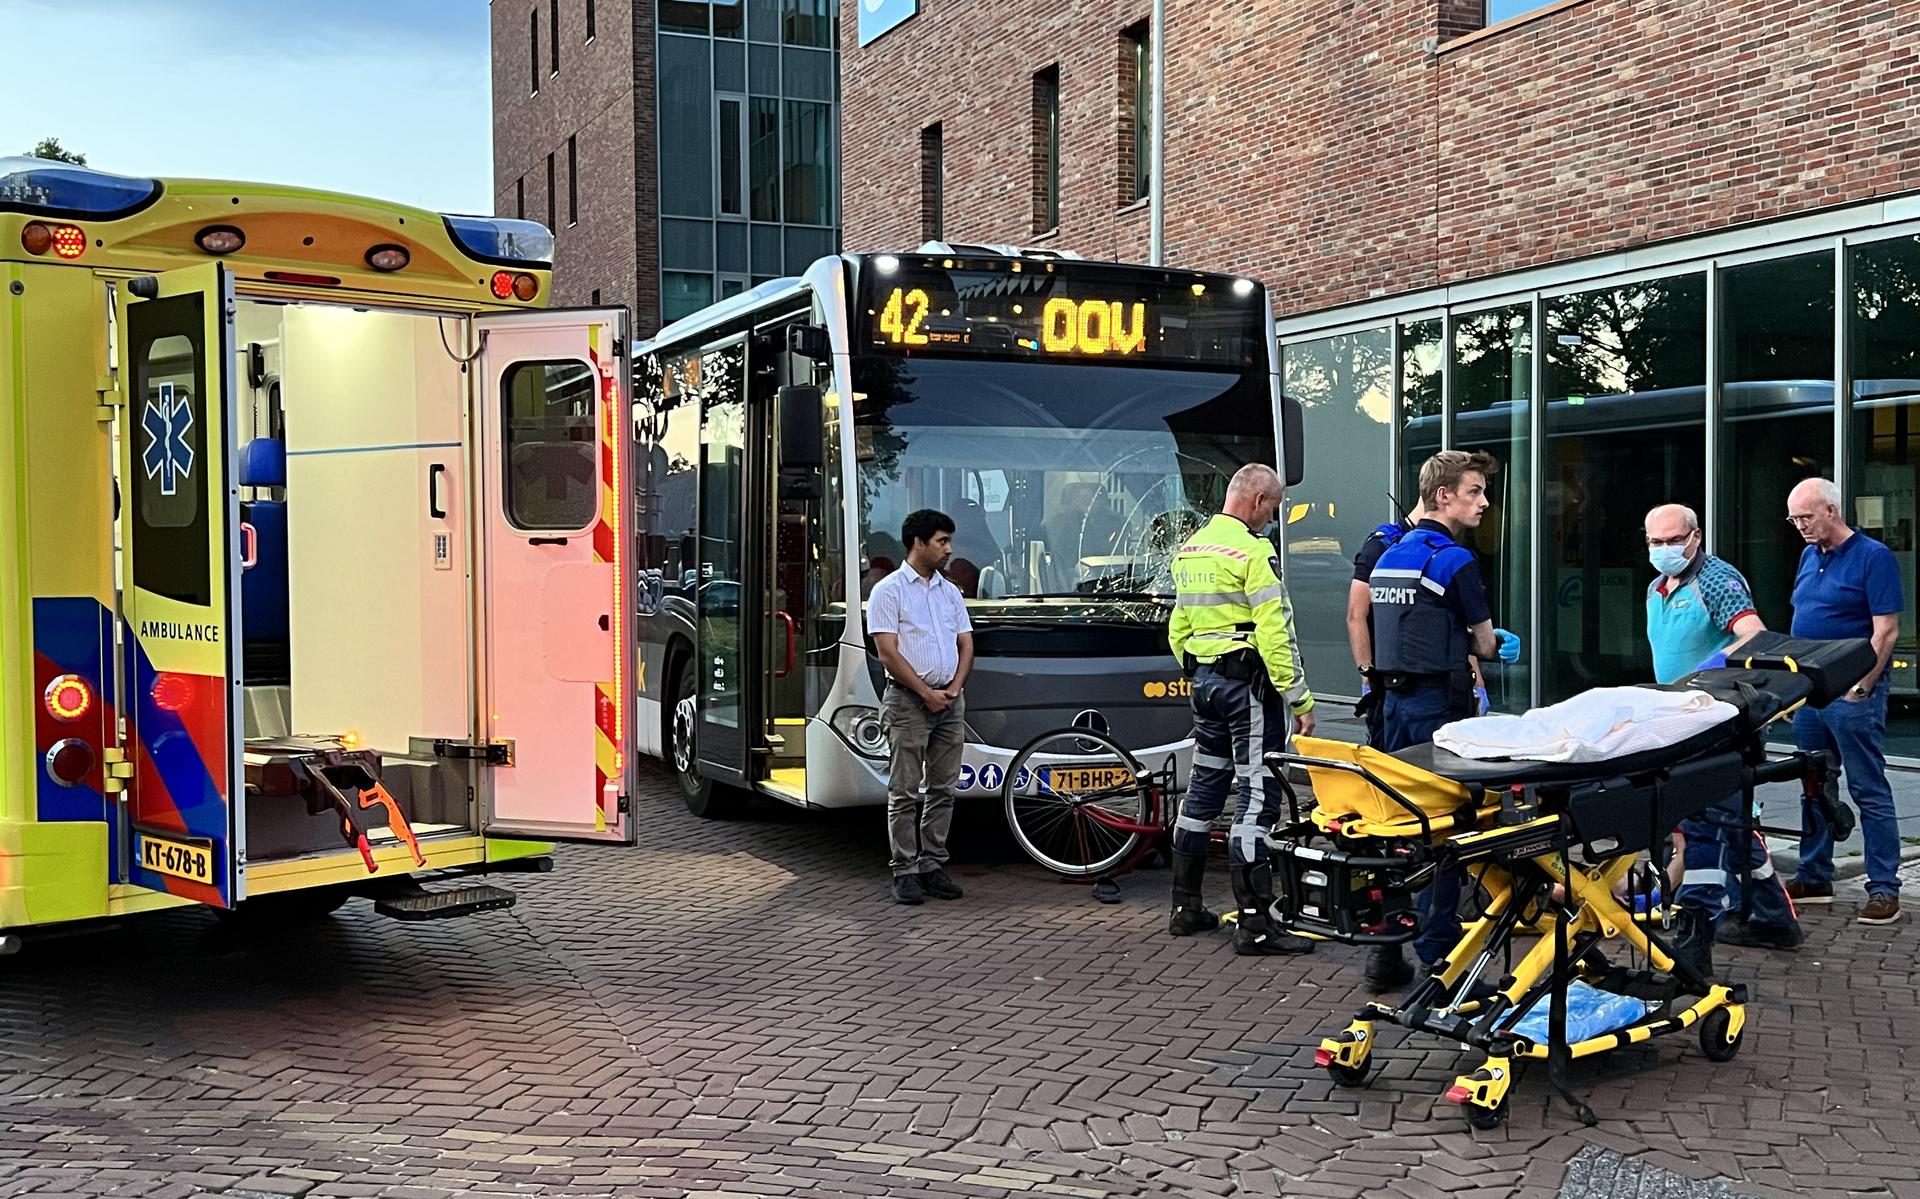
749 128
1712 382
1345 384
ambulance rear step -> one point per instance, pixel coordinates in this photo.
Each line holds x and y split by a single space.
414 902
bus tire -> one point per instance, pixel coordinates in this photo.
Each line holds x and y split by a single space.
704 797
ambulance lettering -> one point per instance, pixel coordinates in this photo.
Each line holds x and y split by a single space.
175 630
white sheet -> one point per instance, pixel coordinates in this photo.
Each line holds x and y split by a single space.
1594 726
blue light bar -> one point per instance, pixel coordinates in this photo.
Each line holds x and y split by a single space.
44 187
502 240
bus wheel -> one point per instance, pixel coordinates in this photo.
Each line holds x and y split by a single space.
704 797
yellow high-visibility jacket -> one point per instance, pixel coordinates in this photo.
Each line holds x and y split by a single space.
1230 599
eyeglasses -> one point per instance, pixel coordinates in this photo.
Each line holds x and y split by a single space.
1800 522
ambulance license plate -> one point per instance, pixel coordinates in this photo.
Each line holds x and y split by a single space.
1088 778
190 860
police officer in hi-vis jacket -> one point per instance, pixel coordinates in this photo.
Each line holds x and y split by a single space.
1232 629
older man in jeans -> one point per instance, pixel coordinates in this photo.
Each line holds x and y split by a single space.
1848 585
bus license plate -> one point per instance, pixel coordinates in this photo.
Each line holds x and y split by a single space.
181 859
1088 778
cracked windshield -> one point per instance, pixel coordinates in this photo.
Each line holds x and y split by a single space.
1066 481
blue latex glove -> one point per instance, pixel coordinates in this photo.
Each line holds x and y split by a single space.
1482 705
1506 645
1365 689
1714 663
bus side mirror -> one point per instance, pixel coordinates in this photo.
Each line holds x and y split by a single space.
1293 441
809 342
802 437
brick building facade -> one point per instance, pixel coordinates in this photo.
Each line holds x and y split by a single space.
681 150
566 101
1341 151
1640 250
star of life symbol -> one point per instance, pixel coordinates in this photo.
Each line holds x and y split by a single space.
168 455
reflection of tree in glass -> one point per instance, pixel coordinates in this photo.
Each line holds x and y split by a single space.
1886 310
1628 338
879 384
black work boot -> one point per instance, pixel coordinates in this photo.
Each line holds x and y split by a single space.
1255 932
1387 968
1190 914
1692 941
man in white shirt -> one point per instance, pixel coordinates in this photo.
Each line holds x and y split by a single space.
925 641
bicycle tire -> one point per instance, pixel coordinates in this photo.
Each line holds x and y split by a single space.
1050 823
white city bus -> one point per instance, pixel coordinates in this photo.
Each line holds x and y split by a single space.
1076 419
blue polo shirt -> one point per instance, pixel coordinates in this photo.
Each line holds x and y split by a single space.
1838 592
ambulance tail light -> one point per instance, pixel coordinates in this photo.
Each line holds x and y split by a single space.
220 239
64 241
299 277
70 761
173 692
68 698
514 285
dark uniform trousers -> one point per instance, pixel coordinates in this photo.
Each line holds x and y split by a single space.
1410 718
1233 731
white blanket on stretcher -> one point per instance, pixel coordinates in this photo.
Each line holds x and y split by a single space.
1594 726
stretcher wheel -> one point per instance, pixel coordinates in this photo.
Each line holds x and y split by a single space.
1713 1036
1481 1119
1077 802
1351 1076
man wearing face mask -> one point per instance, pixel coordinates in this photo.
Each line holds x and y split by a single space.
1232 629
1699 606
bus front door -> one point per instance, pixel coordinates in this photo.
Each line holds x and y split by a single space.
555 434
180 585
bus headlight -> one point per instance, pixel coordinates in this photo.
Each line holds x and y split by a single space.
860 728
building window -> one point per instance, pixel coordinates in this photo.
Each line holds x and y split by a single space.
731 155
806 166
1046 150
596 291
533 63
1776 414
763 158
553 35
1136 112
730 19
1345 386
683 293
933 184
550 192
591 33
684 16
1491 380
807 22
573 181
1625 396
1883 442
520 197
686 126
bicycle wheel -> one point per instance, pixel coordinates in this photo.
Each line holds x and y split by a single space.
1077 802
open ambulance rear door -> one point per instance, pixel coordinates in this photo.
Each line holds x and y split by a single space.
554 468
180 589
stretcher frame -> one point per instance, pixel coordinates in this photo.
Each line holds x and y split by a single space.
1540 874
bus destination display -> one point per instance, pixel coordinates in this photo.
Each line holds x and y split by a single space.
1060 310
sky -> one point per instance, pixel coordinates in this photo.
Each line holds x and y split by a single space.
386 98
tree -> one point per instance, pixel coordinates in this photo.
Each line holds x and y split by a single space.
51 148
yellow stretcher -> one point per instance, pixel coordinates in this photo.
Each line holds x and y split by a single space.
1544 847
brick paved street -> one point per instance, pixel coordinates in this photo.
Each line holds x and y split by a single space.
733 1010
